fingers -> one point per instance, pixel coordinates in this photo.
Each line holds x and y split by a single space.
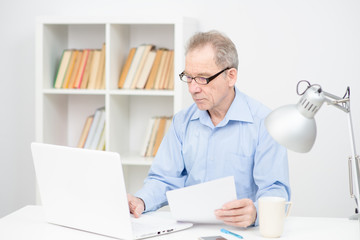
237 220
240 213
136 205
240 203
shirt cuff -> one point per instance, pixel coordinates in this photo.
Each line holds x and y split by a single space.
256 223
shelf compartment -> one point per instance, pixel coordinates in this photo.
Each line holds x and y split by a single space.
134 112
64 117
122 37
55 38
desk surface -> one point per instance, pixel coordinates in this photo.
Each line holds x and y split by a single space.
28 223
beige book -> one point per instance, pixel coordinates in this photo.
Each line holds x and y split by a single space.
140 68
80 74
99 129
75 70
147 137
85 131
101 145
150 148
146 70
166 78
126 67
103 81
159 135
171 83
134 65
161 69
85 80
70 69
101 71
150 82
165 70
94 69
64 63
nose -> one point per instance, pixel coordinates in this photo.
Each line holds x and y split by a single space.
194 87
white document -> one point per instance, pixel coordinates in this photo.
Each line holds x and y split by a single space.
197 203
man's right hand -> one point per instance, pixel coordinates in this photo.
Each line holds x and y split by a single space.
136 205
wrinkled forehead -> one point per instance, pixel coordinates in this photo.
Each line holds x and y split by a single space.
200 60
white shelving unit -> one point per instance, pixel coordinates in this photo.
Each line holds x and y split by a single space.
61 113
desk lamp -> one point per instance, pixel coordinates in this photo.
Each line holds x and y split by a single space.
294 127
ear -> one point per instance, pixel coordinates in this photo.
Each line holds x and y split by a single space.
232 76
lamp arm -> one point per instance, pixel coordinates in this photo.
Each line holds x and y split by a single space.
353 163
341 103
354 160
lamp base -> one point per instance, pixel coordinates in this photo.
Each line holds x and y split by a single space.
355 217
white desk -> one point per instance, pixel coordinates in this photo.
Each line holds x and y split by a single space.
28 224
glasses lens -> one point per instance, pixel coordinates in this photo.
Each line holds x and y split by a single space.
184 78
201 80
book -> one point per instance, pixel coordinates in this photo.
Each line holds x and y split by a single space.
103 80
154 69
98 130
169 71
160 72
147 137
166 71
85 131
101 145
146 70
140 68
94 124
159 135
70 69
75 70
134 65
171 83
80 74
126 67
64 63
151 144
101 70
94 69
85 79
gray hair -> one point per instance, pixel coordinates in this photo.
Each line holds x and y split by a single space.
225 50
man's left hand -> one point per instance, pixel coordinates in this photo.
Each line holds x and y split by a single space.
238 213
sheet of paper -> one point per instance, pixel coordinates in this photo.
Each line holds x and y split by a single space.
197 203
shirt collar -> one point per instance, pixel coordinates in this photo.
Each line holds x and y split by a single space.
238 111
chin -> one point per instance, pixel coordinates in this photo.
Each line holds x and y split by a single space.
202 107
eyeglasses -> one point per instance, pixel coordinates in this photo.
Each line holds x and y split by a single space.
200 80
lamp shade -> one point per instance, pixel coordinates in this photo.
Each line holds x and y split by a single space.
291 129
294 126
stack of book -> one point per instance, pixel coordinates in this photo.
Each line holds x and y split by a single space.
93 133
81 69
148 68
156 130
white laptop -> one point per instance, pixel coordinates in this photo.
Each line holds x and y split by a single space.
85 189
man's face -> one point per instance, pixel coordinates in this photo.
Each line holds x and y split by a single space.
200 63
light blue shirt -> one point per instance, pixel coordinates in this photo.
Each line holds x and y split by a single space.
195 151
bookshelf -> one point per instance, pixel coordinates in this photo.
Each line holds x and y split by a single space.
61 113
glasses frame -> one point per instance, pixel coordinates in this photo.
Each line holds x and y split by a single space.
209 79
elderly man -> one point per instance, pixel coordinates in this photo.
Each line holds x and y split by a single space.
221 134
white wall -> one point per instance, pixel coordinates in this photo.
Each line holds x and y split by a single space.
279 41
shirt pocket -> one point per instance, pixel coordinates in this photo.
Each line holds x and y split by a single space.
241 167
